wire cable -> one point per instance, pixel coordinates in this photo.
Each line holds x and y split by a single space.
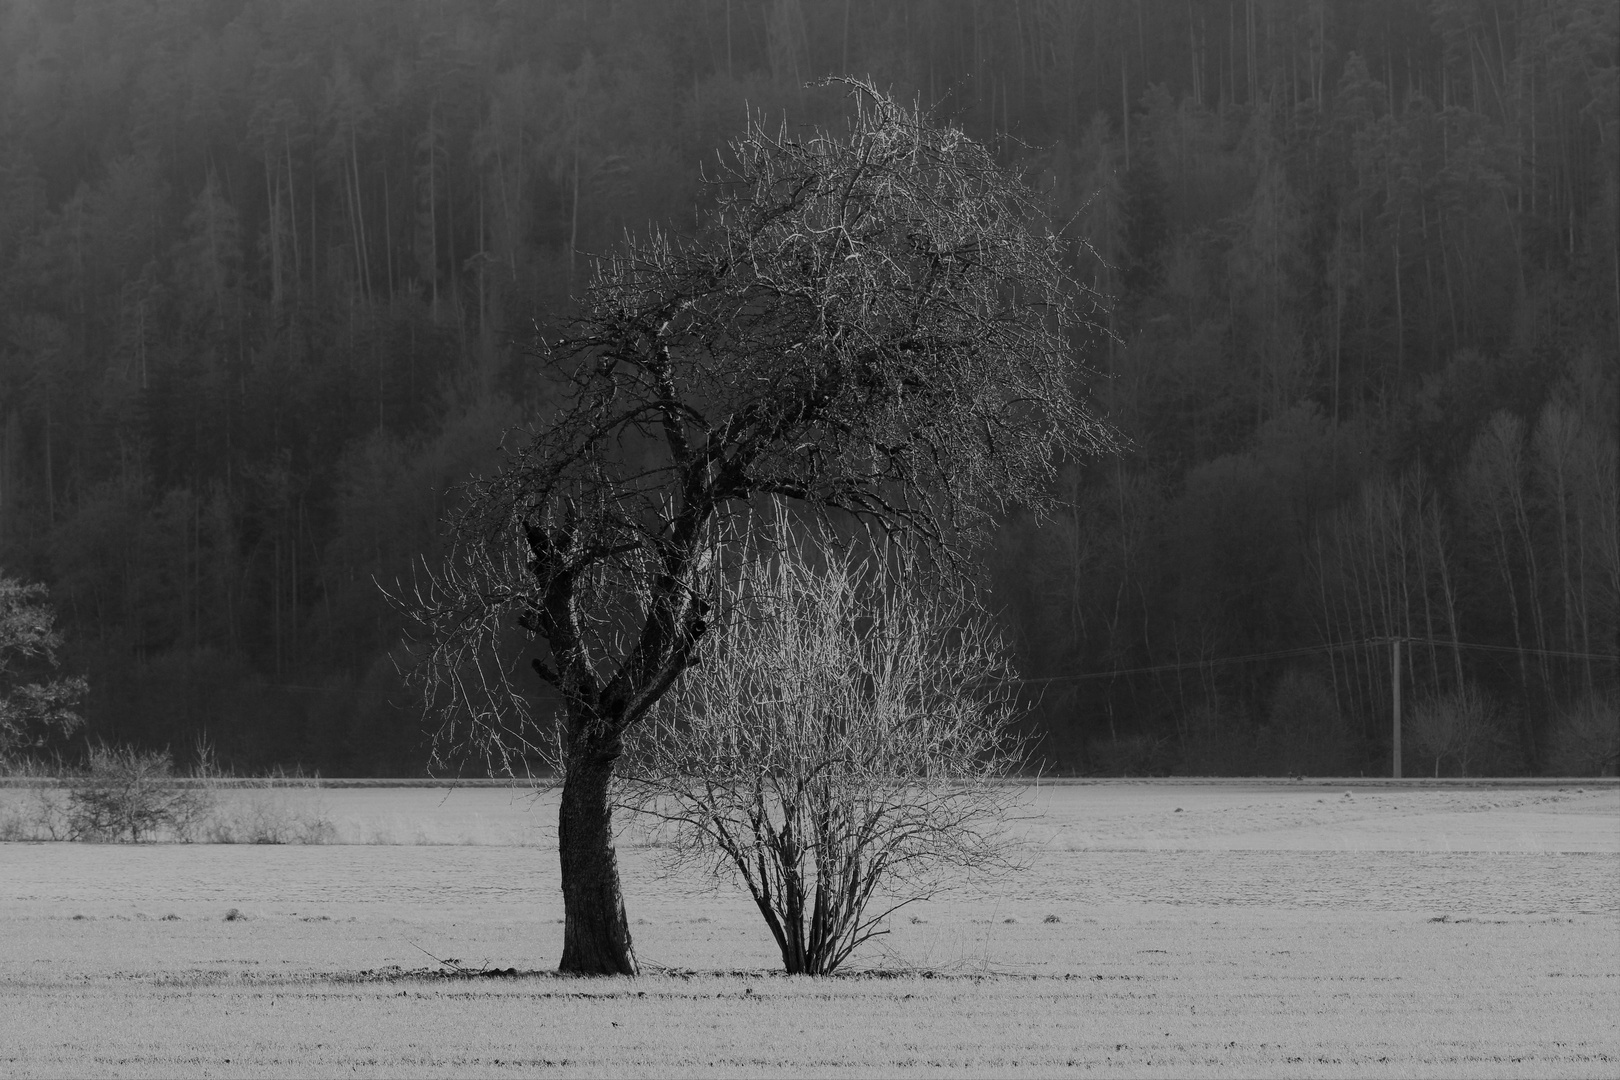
1307 650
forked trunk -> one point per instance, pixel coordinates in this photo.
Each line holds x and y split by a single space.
596 935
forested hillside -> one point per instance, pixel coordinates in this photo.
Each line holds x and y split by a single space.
267 269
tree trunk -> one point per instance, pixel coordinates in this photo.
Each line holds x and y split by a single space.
596 935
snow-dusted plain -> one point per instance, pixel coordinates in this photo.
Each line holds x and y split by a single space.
1345 929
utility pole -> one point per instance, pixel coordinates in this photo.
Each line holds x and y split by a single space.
1395 693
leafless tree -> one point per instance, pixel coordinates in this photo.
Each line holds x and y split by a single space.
1463 724
838 751
873 322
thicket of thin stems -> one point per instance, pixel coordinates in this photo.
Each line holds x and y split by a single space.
839 751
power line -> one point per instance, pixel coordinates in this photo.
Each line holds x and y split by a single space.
1279 654
1185 665
1307 650
1613 657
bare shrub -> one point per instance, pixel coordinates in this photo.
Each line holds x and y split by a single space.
38 812
14 823
130 794
266 816
1586 739
34 805
843 744
1463 727
126 794
261 810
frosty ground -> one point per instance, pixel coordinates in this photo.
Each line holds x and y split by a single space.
1157 929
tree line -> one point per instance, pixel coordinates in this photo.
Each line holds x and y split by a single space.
271 272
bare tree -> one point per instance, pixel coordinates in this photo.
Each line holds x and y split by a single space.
1463 724
35 701
838 751
873 321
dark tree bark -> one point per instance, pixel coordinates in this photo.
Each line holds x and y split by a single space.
596 935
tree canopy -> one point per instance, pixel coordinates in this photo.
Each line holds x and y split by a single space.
37 703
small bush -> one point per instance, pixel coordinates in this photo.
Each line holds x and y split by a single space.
133 795
1458 731
264 816
1586 739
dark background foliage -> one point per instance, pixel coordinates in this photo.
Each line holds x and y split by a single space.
266 268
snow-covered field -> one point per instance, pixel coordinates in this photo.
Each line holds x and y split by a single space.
1157 929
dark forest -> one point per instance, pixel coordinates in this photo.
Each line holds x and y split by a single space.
269 271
